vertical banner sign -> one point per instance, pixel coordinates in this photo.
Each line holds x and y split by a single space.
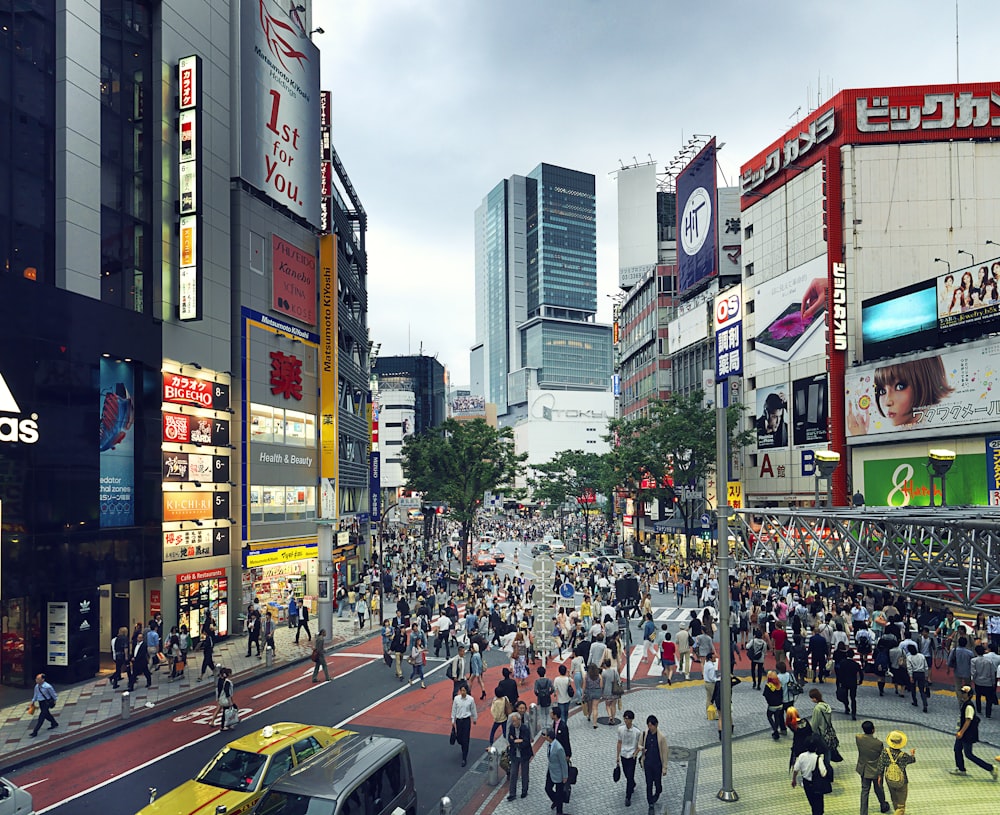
189 178
117 445
729 333
374 486
696 227
293 281
328 443
326 166
993 470
280 107
839 315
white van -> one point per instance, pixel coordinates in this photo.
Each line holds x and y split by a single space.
557 545
14 800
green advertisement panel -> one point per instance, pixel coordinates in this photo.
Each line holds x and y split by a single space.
905 482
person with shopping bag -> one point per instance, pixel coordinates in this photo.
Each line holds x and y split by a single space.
225 696
43 700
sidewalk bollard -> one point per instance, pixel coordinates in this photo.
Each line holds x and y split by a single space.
534 720
493 767
445 808
126 705
268 656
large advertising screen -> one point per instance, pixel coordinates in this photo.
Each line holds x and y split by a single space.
810 410
899 321
953 389
969 297
790 312
771 419
117 444
279 116
697 220
904 481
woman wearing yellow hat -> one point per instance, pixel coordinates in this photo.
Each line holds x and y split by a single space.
891 768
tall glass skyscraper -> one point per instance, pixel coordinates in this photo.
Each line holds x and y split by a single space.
536 289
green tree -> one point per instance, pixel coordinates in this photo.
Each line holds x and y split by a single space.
569 474
457 463
672 447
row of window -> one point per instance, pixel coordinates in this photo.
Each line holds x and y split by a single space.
275 425
281 503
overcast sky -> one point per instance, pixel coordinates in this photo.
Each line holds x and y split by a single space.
435 101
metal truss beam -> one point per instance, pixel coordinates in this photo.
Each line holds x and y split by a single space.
941 554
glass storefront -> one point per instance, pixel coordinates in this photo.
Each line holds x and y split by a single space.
200 594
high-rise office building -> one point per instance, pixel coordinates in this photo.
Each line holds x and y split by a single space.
536 291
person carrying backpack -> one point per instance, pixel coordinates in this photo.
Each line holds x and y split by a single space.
892 768
543 691
756 649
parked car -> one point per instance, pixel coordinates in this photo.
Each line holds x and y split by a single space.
242 771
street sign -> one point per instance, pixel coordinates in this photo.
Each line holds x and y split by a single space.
566 591
734 494
706 521
623 622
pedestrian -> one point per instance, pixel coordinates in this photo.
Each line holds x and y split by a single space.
869 752
774 696
225 696
140 663
811 767
627 752
609 676
362 607
561 726
916 665
319 656
960 661
457 672
207 645
710 675
463 716
173 651
592 693
848 675
477 666
756 649
184 641
683 642
303 623
44 699
253 631
293 613
564 691
508 687
984 679
500 710
398 647
417 657
520 752
120 649
557 776
268 632
892 765
543 689
654 761
968 734
821 722
578 668
153 645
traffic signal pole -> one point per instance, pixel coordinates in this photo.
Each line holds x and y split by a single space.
727 792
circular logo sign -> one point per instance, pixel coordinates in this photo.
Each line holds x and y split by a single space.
695 221
566 591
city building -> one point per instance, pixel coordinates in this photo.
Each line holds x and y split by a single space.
870 274
160 212
536 291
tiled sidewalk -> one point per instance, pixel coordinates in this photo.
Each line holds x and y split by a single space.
92 708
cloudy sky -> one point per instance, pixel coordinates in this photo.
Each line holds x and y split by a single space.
435 101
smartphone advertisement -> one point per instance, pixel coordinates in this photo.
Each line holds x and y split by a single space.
772 417
790 312
809 410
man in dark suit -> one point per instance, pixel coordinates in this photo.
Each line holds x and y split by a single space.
869 750
561 729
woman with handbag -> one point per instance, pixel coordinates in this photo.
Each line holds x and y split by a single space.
418 654
520 754
821 721
225 697
319 655
500 709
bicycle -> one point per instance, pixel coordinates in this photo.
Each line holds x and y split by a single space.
941 651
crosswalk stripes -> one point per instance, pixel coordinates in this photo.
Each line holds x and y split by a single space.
672 615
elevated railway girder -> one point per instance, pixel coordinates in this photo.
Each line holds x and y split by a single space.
946 555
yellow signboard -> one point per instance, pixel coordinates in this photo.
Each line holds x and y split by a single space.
734 494
285 555
328 421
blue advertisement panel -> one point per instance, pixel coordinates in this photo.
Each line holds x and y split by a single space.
696 227
374 486
993 470
117 444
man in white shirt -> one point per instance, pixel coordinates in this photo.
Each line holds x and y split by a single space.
597 651
441 625
627 752
710 673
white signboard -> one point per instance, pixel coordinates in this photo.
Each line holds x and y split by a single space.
57 637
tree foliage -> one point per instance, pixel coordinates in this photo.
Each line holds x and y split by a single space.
456 463
672 447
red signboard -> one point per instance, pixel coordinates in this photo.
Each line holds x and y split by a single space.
587 497
155 604
293 281
286 375
876 116
186 390
194 577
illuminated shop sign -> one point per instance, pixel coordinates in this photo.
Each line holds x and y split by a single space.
189 179
196 392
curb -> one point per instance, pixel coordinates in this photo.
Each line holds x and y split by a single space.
91 733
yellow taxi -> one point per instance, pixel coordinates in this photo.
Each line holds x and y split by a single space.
242 771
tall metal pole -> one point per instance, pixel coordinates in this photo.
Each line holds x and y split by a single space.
727 792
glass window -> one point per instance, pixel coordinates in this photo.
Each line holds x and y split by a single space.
354 804
305 748
273 500
280 764
263 422
290 803
295 428
256 506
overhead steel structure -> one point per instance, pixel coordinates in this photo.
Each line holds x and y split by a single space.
942 554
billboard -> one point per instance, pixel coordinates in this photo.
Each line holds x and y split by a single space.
638 243
728 325
894 323
293 281
993 470
771 419
470 405
697 219
687 329
789 315
280 107
810 411
905 481
117 444
952 390
969 297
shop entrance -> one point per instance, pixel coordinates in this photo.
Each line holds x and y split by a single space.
14 645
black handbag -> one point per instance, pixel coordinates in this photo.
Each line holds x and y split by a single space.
616 776
453 737
574 773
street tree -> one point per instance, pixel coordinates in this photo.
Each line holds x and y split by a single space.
671 448
456 463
